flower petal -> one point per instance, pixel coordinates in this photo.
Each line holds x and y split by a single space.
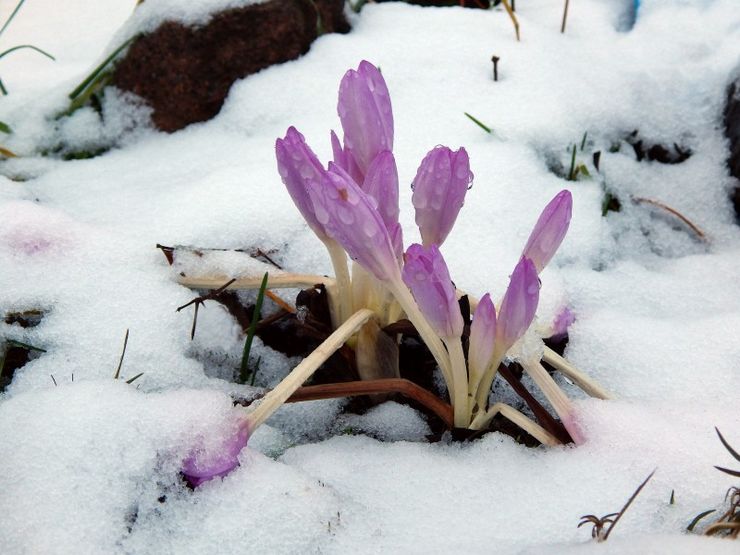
425 273
364 108
440 185
549 230
518 306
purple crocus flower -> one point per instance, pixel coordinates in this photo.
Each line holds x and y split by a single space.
201 466
518 306
440 185
482 336
549 230
351 218
364 109
299 166
425 273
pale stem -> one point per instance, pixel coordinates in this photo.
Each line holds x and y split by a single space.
344 284
275 398
460 402
483 388
428 335
274 281
582 380
555 396
532 428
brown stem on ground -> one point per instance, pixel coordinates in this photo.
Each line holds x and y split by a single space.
373 387
699 233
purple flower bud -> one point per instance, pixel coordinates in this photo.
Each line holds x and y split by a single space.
549 230
562 322
425 273
298 166
519 305
482 335
440 185
364 109
344 159
351 218
201 466
381 183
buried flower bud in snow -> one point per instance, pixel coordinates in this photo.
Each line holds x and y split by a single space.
425 273
440 185
549 230
351 218
203 465
364 109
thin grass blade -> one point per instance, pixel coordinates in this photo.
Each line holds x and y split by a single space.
244 370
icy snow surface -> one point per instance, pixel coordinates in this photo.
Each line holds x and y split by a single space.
91 465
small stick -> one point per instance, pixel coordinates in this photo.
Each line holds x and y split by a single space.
699 233
272 401
585 382
565 16
495 60
512 16
279 301
372 387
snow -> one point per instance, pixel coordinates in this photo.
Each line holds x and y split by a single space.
83 464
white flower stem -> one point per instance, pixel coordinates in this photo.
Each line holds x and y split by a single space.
344 284
428 335
275 398
585 382
532 428
555 397
274 281
460 402
483 387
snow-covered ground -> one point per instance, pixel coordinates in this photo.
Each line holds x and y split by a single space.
91 464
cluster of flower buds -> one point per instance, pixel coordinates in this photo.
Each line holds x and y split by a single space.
352 207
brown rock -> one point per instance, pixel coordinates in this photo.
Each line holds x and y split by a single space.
185 73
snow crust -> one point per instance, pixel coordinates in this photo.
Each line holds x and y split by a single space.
91 465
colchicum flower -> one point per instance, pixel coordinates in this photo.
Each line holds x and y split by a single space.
482 337
298 166
351 218
353 208
518 306
440 185
364 108
201 466
549 230
426 275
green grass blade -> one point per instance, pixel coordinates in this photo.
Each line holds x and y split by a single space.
727 446
697 518
5 128
136 377
479 123
31 46
98 70
3 89
583 141
12 15
244 370
26 346
572 171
